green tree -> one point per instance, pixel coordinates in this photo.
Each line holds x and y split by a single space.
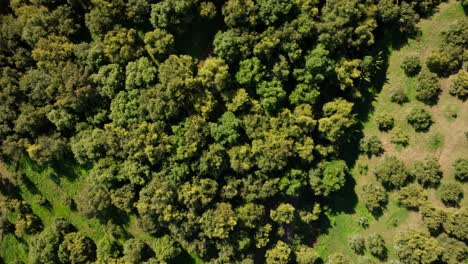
412 196
420 119
376 245
306 255
433 218
122 46
214 74
284 213
279 254
226 131
337 258
455 225
166 249
374 197
384 122
411 65
271 94
460 169
328 177
417 247
337 117
391 172
218 222
232 45
76 248
459 86
428 88
358 244
427 172
238 13
93 200
451 194
140 74
371 146
159 43
454 252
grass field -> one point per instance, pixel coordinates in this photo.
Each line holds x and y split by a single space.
445 140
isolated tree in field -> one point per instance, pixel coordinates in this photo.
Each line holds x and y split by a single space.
428 88
415 247
279 254
427 172
371 146
358 244
399 96
411 65
76 248
451 194
412 196
460 169
420 119
385 122
399 137
376 245
391 172
459 86
374 197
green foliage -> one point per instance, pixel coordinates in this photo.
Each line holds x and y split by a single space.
459 86
328 177
412 196
284 213
428 88
358 244
399 137
337 118
218 222
159 43
385 122
454 252
445 61
427 172
337 258
166 249
455 225
433 218
306 255
451 193
76 248
460 169
392 172
226 131
399 96
374 197
420 119
215 74
93 200
278 254
411 65
417 247
376 245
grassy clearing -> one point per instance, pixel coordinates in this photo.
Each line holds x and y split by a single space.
445 140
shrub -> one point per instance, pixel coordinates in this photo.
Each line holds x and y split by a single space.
391 172
460 169
374 197
385 122
358 244
363 222
411 65
399 137
428 88
445 61
420 119
399 96
371 146
376 245
411 196
459 87
451 194
427 172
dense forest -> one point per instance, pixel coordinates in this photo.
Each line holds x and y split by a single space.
223 127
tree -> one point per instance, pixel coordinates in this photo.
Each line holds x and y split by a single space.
376 245
168 14
412 196
271 94
357 244
399 137
93 200
250 214
278 254
385 122
226 131
166 249
374 197
446 61
460 169
232 45
218 222
134 250
451 194
399 96
391 172
455 225
415 247
328 177
251 72
159 43
140 74
411 65
76 248
371 146
459 86
284 213
336 119
428 88
420 119
427 172
214 74
454 251
47 149
337 258
44 247
104 14
306 255
433 218
122 46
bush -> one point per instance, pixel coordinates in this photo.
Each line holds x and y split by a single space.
376 245
358 244
371 146
411 196
385 122
427 172
399 96
460 169
428 88
391 172
399 137
459 87
411 65
420 119
451 194
374 197
363 222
